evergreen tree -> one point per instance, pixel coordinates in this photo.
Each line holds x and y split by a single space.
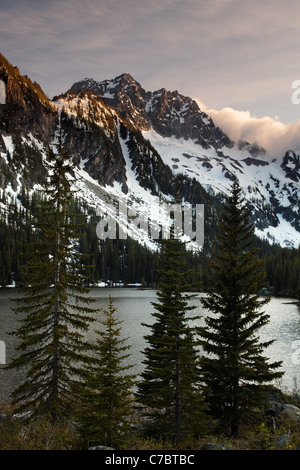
169 386
235 370
54 307
107 390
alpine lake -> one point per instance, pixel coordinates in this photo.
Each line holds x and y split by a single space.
134 307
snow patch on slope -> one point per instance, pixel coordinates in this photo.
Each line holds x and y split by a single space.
262 181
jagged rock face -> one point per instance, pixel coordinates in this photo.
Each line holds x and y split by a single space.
172 114
124 94
99 146
100 156
151 173
27 109
28 114
169 113
91 137
254 149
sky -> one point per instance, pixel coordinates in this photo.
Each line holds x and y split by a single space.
237 58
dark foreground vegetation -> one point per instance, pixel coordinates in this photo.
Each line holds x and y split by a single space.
40 434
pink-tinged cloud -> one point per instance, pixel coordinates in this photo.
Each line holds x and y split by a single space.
273 135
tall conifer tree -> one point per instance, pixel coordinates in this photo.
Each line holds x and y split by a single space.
236 371
54 308
107 391
170 383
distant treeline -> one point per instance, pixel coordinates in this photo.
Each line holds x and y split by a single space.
126 260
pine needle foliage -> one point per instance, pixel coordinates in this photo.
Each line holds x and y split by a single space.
236 369
169 389
54 308
107 390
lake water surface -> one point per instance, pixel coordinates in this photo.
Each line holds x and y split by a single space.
134 307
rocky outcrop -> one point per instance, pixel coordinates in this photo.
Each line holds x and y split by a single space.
91 137
27 116
291 165
27 109
282 411
254 149
122 93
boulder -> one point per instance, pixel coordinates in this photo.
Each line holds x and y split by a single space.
284 440
286 410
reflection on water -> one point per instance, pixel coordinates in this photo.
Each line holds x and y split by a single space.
134 307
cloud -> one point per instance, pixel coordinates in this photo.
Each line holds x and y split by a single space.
273 135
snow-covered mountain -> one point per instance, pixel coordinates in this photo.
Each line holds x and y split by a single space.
190 144
141 147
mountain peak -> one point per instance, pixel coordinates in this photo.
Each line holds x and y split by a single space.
168 113
126 77
107 86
